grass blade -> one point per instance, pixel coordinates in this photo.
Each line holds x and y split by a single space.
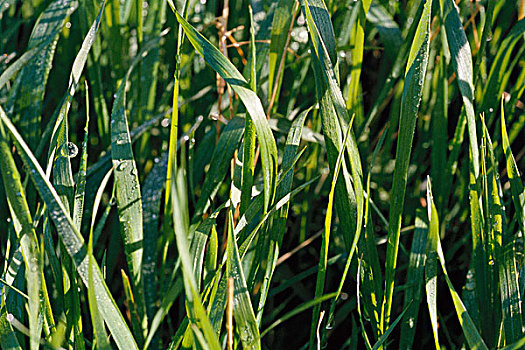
469 329
242 305
414 78
220 163
253 105
73 242
415 277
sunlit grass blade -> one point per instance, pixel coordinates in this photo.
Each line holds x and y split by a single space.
195 309
25 233
253 105
469 328
357 41
242 305
384 337
431 267
516 185
462 61
414 78
73 241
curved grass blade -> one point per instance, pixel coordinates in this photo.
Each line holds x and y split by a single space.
73 242
469 328
414 78
25 233
242 305
62 174
253 105
349 197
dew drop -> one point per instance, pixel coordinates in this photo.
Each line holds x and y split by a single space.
72 149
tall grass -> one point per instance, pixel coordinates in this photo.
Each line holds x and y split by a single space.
262 174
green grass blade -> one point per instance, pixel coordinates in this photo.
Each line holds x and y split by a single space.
282 19
34 75
279 222
151 199
509 284
469 329
253 105
8 339
242 305
128 192
349 197
248 153
384 337
431 267
357 41
73 242
99 331
220 164
80 190
516 186
196 312
25 232
321 274
462 62
414 281
501 66
414 78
